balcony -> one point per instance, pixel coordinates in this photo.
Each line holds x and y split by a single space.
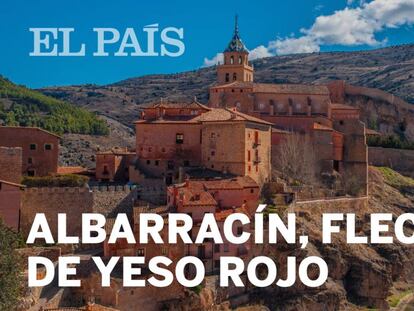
257 160
256 143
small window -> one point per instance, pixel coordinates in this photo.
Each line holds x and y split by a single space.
234 76
148 162
30 173
240 60
157 162
30 160
217 248
48 146
179 138
227 77
252 190
140 252
341 122
33 146
186 163
232 60
213 153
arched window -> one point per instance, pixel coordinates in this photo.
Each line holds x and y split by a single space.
231 60
240 60
234 76
227 77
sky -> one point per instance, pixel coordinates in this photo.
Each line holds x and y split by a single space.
267 27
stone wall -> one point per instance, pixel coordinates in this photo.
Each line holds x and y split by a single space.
51 201
398 159
11 164
107 200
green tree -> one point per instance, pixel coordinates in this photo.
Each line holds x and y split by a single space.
10 268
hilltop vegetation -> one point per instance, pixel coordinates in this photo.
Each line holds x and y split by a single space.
20 106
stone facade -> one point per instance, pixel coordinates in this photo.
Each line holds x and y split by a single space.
40 148
334 128
51 201
11 164
114 165
10 203
222 140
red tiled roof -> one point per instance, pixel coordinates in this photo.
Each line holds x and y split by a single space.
226 114
30 128
320 127
195 195
71 170
167 104
223 214
233 183
278 88
336 106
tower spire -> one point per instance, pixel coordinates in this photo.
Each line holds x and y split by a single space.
236 24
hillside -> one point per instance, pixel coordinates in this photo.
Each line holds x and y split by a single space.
389 69
22 106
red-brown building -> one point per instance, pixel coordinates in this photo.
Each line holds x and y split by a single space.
335 129
220 197
114 165
40 148
10 203
220 139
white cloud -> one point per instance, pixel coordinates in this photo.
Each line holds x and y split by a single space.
259 52
213 61
350 26
293 45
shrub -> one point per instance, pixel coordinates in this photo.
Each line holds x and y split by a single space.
390 141
68 180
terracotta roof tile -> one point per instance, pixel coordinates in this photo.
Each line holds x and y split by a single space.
71 170
30 128
278 88
223 214
343 107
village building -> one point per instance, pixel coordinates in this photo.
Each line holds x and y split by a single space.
11 164
114 165
40 148
334 128
220 139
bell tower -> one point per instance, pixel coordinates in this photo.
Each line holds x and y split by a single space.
236 66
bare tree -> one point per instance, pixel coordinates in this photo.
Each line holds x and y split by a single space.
296 159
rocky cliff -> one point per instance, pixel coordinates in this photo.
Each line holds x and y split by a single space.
361 277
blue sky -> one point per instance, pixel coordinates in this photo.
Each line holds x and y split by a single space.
268 27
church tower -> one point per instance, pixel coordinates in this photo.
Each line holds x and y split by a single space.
236 66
